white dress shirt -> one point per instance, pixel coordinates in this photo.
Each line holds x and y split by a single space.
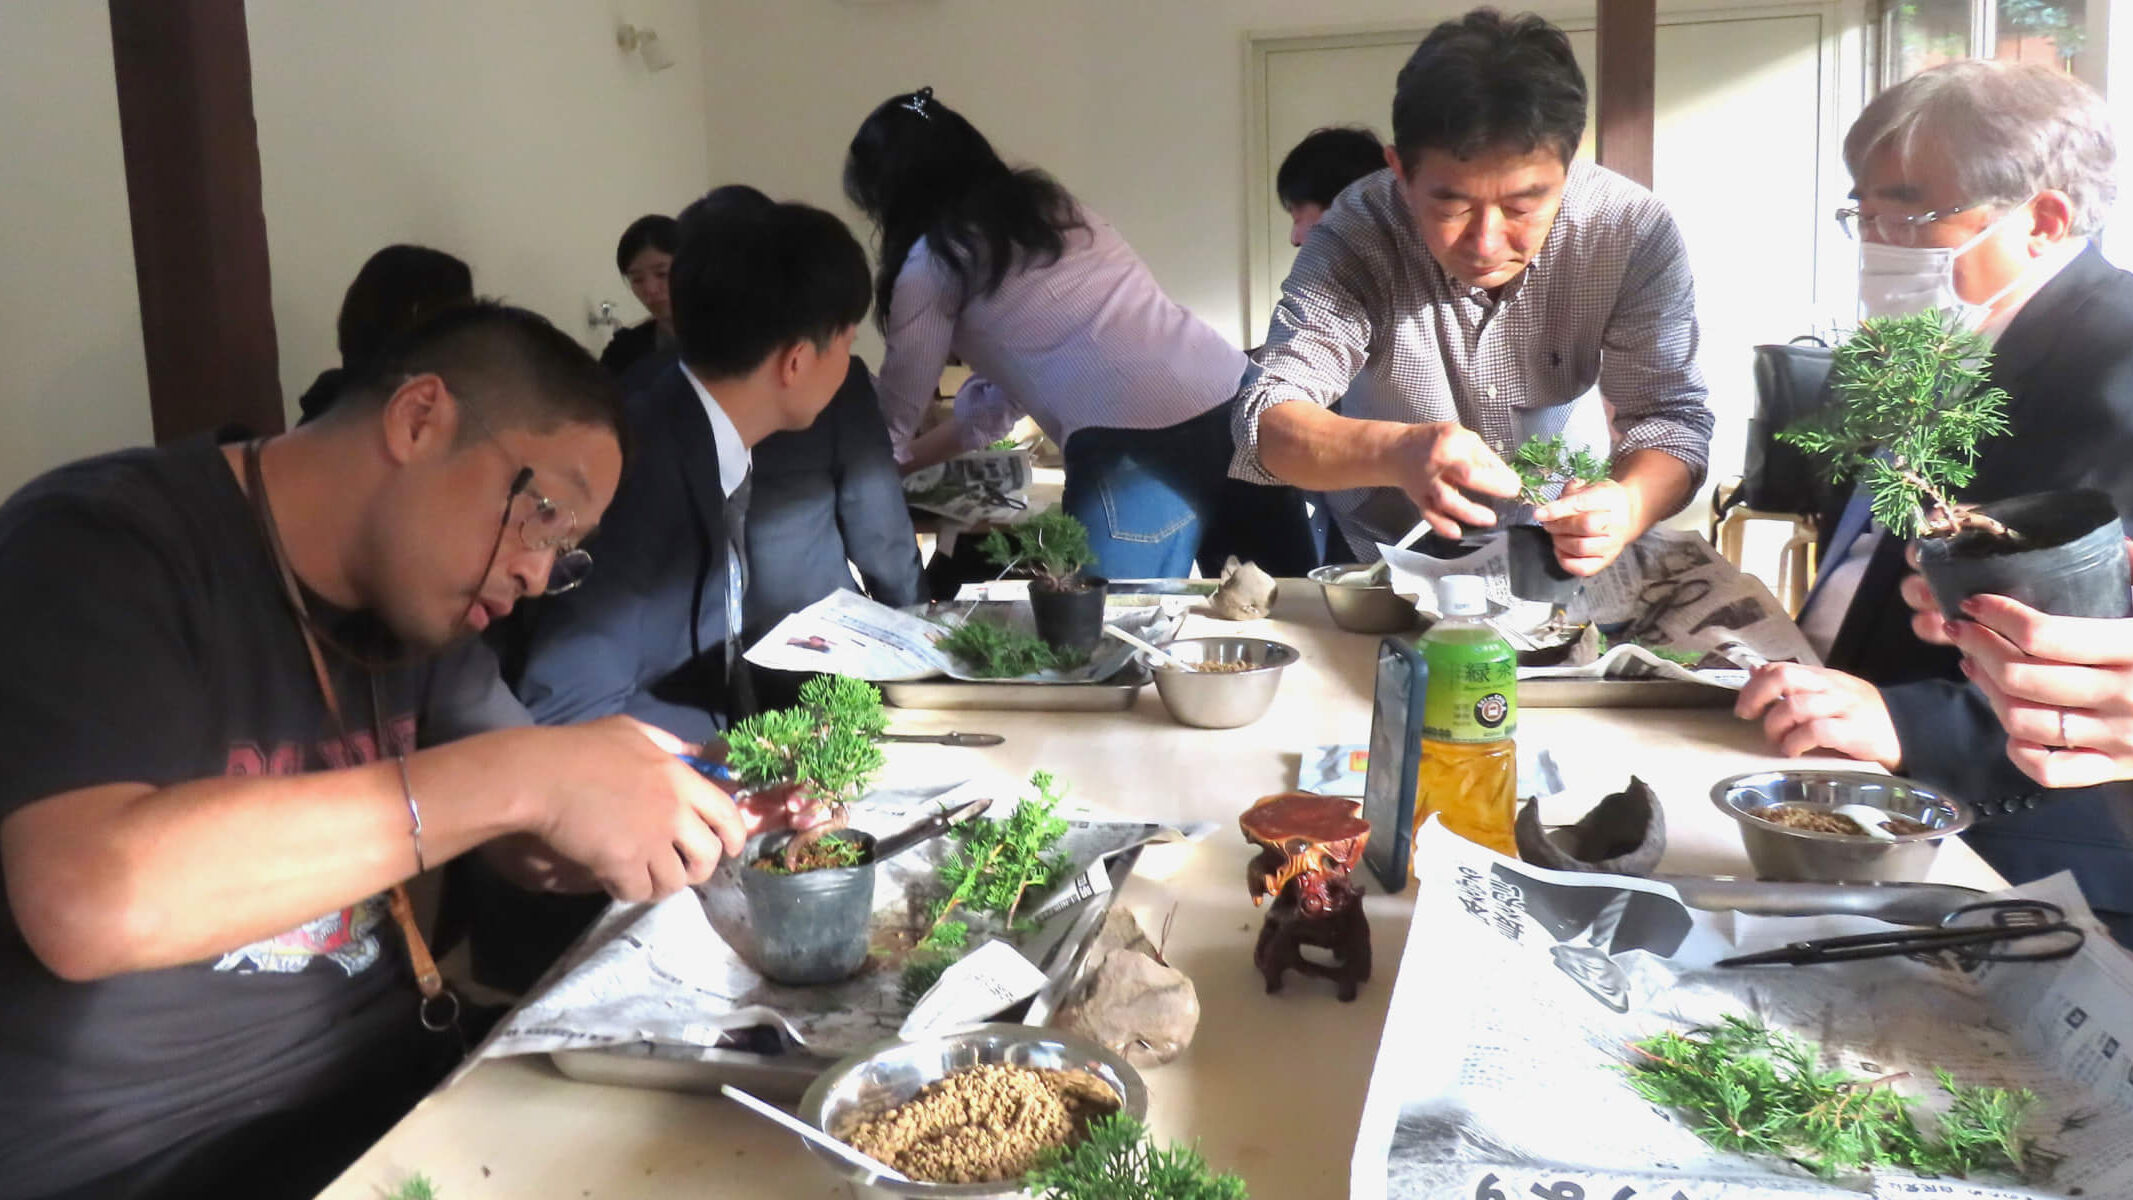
734 457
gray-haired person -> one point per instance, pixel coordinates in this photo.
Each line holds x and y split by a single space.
1475 291
1977 188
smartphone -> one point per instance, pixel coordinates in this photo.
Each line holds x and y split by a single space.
1395 760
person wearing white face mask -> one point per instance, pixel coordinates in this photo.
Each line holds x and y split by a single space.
1977 188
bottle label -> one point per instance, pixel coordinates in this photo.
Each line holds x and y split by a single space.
1470 699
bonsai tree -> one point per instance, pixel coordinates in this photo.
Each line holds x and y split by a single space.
826 747
1544 462
1909 405
1052 546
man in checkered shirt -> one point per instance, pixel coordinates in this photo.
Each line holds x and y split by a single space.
1472 292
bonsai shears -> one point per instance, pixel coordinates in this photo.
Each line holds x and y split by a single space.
1988 931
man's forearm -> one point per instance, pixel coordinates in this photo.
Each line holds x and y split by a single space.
1313 448
1658 484
126 877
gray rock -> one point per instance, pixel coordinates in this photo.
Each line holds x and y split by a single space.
1247 593
1126 1000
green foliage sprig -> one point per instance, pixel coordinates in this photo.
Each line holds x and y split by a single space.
991 650
826 743
1753 1090
1053 546
417 1187
1544 462
1910 403
1114 1161
990 868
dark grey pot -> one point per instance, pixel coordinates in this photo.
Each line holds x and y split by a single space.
1537 575
2073 563
1070 621
810 927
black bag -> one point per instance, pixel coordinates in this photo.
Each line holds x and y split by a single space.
1791 381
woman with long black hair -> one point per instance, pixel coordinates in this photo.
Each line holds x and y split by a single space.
1059 319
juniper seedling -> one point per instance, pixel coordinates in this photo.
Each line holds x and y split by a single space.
1909 404
417 1187
825 745
1052 546
1753 1090
990 650
1114 1161
1544 462
991 868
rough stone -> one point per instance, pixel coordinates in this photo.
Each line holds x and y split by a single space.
1128 1001
1247 593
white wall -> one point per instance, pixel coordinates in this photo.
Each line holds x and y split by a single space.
512 133
72 378
1137 107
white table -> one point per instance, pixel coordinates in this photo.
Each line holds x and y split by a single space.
518 1128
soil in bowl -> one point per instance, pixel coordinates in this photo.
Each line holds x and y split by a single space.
984 1124
1815 820
1223 668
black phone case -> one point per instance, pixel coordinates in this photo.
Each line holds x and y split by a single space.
1395 760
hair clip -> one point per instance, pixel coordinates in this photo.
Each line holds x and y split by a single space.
916 102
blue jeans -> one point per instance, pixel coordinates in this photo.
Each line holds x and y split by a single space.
1158 500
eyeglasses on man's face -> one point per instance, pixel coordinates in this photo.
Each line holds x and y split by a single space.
1895 229
543 525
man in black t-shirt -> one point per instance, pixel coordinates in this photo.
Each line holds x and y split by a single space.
201 989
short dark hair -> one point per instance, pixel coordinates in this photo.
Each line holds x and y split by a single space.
395 289
520 371
653 231
1487 82
1325 162
754 276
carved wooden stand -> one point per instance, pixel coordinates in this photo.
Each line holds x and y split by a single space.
1308 845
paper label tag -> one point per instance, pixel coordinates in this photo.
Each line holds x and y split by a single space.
1094 882
975 987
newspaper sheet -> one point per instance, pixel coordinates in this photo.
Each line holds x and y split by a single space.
1501 1071
668 974
849 634
1670 593
984 487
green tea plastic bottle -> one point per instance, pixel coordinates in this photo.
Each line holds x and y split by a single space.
1469 774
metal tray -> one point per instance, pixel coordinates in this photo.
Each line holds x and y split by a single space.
1115 694
1622 693
786 1075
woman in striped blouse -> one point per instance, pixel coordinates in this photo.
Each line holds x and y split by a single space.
1059 319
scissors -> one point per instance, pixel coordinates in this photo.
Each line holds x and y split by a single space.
1988 931
1661 599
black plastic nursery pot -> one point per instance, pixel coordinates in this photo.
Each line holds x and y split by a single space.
1537 575
810 927
1070 622
2071 561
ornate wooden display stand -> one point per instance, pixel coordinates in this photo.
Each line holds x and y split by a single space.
1308 845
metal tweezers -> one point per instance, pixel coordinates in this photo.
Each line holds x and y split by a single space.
2005 925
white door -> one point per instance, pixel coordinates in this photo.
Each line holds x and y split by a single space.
1749 110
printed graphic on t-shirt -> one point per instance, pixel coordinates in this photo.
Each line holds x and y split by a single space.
347 938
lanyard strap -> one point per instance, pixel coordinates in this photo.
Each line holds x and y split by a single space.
440 1007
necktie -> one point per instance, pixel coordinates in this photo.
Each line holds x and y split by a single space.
740 690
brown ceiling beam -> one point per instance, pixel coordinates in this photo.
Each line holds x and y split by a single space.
184 74
1629 62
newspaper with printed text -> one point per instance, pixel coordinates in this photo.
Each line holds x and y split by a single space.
1670 596
1501 1073
984 487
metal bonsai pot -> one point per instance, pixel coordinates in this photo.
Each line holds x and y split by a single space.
1070 621
2071 561
809 927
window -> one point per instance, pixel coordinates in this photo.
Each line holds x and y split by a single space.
1918 34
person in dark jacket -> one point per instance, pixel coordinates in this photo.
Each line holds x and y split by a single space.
1979 187
828 501
395 289
645 256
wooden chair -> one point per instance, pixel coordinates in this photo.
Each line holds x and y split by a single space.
1797 560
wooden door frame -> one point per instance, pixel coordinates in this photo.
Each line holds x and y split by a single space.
184 77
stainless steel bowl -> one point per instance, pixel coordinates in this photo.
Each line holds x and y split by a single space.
1364 607
890 1072
1807 856
1222 699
